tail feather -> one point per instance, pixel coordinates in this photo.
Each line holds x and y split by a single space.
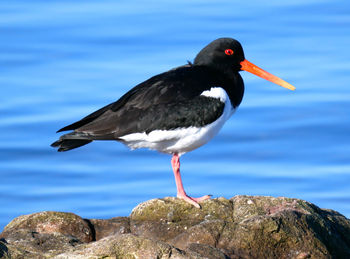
70 141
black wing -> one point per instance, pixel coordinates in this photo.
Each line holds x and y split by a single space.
165 101
152 91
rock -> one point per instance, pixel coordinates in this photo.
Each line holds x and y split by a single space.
240 227
108 227
49 222
128 246
164 219
45 234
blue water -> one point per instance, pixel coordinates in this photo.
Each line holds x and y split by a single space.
61 60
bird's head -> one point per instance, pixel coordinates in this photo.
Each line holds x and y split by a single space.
226 54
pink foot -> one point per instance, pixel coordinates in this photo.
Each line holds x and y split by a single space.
193 201
181 194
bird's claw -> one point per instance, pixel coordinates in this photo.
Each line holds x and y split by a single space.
193 201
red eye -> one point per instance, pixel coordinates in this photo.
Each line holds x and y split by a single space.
229 52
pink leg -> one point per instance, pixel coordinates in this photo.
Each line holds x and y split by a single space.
181 194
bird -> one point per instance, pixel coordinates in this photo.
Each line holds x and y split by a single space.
176 111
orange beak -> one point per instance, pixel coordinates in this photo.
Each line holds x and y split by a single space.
250 67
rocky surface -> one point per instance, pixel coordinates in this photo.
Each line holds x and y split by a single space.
240 227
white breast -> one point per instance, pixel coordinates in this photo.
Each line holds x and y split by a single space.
182 140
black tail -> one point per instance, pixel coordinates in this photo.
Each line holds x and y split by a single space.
70 141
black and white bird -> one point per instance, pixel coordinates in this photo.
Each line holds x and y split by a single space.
174 112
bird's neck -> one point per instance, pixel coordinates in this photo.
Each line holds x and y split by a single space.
232 82
235 89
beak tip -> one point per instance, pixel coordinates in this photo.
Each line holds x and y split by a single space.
289 86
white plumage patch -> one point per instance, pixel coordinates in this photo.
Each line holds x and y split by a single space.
182 140
217 92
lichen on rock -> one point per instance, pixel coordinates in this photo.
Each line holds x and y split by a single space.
240 227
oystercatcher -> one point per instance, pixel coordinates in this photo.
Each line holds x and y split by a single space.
174 112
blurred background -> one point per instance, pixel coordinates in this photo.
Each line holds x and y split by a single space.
61 60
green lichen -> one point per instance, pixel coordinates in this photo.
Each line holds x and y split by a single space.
180 211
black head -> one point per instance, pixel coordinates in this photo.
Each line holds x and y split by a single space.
224 54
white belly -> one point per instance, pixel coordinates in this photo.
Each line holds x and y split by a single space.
182 140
